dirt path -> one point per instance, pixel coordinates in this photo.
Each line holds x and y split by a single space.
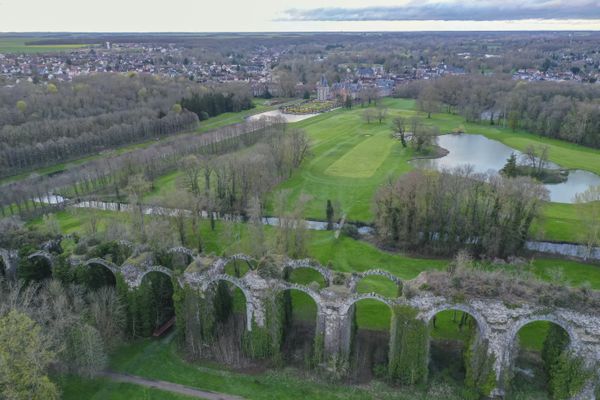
168 386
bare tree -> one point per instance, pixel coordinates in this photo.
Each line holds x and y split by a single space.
381 112
369 114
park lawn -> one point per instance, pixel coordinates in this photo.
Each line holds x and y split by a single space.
560 222
349 160
364 158
77 388
230 118
159 359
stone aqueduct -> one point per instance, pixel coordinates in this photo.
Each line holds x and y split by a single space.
497 323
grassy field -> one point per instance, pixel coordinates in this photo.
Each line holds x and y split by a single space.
350 160
77 388
17 45
158 359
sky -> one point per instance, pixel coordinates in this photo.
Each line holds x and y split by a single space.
296 15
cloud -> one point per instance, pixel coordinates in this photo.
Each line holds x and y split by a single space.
455 10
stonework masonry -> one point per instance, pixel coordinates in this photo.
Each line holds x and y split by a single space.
497 323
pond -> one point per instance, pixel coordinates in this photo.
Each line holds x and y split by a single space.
489 156
278 113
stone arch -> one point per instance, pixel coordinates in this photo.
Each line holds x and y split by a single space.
155 268
181 250
357 277
240 284
512 352
220 266
482 324
574 340
305 289
306 263
446 347
242 257
161 290
363 296
43 254
99 277
369 339
106 264
303 321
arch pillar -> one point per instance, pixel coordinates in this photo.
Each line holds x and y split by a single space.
500 348
10 258
335 325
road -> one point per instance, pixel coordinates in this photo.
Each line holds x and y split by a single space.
168 386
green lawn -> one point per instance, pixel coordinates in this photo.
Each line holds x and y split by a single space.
561 223
77 388
350 160
363 159
158 359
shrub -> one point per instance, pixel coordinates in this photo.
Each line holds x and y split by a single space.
409 347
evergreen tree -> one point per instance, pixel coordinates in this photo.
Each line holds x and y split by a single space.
510 168
329 213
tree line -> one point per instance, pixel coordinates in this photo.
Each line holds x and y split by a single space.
443 212
211 104
45 124
113 172
560 110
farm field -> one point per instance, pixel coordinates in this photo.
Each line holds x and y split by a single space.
17 45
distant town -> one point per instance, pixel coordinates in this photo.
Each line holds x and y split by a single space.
259 66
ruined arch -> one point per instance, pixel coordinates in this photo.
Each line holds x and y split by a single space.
106 264
325 273
240 284
358 277
370 317
363 296
103 277
157 297
154 268
529 360
482 324
182 256
553 318
302 323
39 266
241 265
43 254
452 337
305 289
